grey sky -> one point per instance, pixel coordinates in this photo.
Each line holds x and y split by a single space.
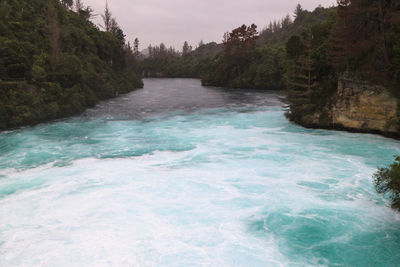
176 21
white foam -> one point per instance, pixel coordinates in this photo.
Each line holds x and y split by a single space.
195 207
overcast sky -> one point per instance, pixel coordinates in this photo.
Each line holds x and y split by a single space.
176 21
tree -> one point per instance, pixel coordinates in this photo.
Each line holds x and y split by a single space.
302 80
360 22
338 47
136 47
107 18
298 11
294 47
86 13
286 21
239 50
111 25
225 38
387 181
186 49
128 48
68 3
163 48
242 39
201 43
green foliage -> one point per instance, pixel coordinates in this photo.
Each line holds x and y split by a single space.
294 47
54 62
361 38
311 77
38 73
371 51
163 62
277 33
270 64
387 181
16 57
263 72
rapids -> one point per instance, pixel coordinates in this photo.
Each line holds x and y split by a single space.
177 174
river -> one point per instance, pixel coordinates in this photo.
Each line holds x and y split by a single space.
176 174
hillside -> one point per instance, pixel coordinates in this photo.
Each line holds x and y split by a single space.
54 62
266 65
279 32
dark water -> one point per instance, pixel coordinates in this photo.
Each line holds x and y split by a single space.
162 96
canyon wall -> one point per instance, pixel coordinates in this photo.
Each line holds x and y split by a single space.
358 106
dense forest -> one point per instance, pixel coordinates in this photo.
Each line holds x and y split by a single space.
361 40
245 58
54 62
266 64
305 56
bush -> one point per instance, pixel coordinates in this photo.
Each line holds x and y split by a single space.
38 73
387 181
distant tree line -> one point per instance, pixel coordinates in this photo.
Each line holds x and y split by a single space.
189 62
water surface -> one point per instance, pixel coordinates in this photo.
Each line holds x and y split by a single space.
177 174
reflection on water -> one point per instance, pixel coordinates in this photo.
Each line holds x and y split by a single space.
169 95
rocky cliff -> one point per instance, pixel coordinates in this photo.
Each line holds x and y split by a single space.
358 106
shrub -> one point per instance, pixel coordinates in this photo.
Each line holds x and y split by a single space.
38 73
387 181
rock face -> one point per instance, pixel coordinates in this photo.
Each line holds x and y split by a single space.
365 107
361 107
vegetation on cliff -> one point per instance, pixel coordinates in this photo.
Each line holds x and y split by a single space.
361 40
292 55
54 62
308 55
387 181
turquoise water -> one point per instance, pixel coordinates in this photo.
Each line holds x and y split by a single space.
161 178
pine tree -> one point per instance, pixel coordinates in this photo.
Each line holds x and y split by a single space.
163 48
302 80
225 38
201 43
286 22
185 49
298 11
136 47
338 50
107 18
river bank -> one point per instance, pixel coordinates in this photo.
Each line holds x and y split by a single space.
356 106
